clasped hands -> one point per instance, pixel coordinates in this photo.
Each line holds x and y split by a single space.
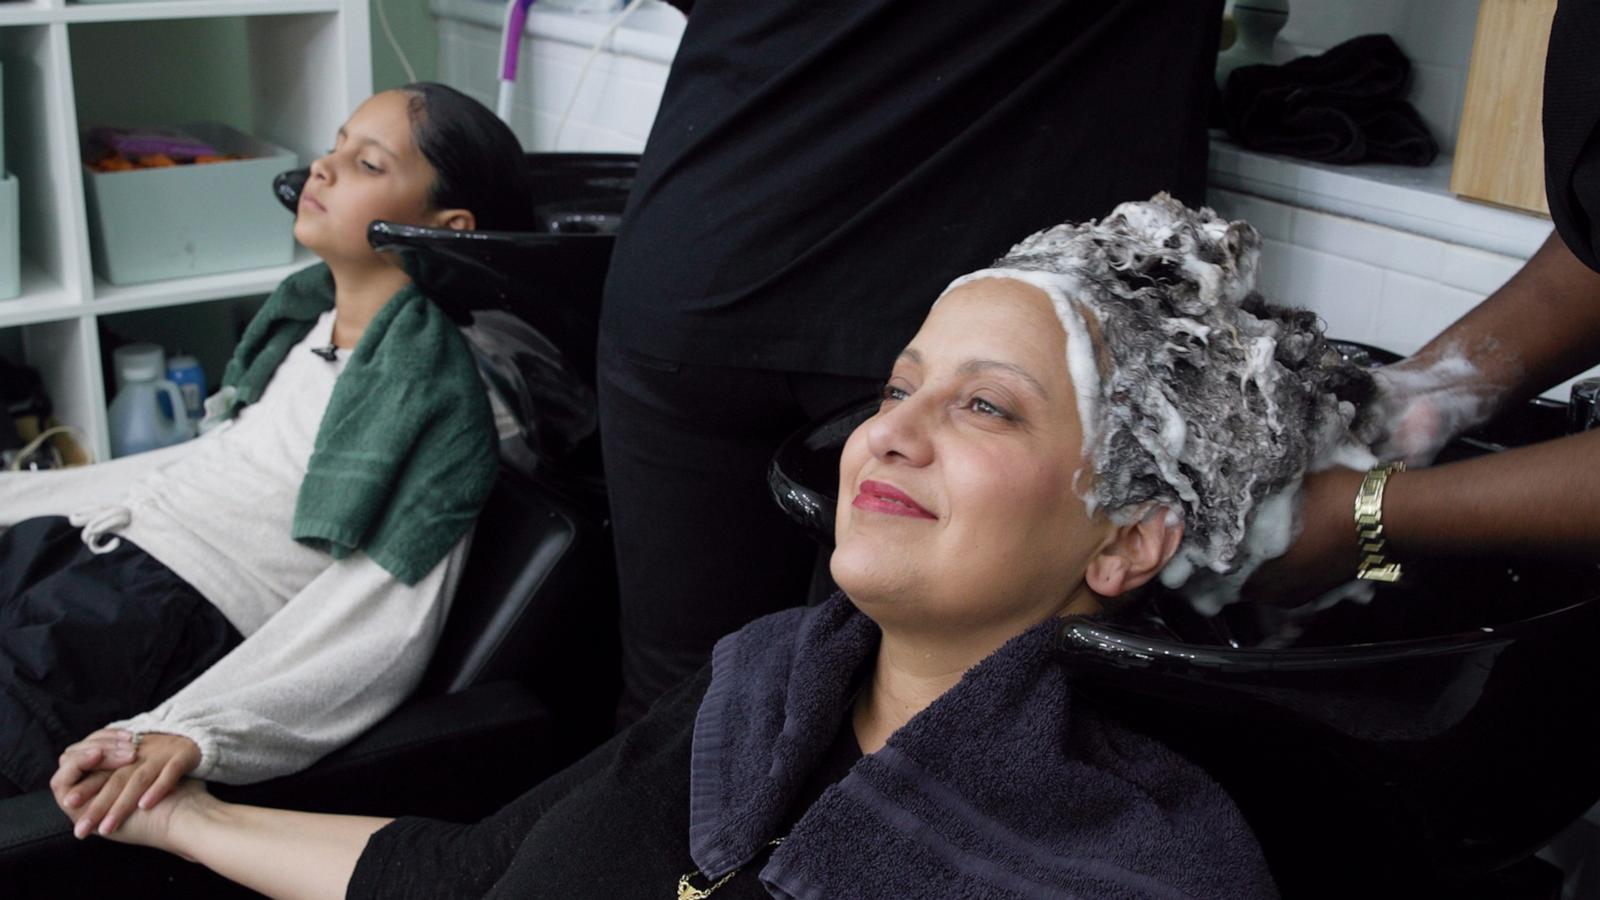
108 777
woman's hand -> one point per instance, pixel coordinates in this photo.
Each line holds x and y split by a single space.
155 827
1323 555
105 777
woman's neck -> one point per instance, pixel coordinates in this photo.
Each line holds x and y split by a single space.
915 668
906 678
358 294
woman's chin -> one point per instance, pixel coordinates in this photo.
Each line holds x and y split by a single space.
867 577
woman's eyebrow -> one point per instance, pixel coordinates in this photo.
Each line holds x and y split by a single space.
978 366
371 142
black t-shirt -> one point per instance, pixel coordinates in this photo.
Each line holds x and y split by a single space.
1572 127
818 171
615 824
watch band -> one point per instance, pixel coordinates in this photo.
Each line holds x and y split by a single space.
1375 564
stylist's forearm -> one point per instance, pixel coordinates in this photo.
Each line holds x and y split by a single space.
1543 499
278 853
1539 329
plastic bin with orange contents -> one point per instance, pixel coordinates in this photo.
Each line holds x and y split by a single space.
187 218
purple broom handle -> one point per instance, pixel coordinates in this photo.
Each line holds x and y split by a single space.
513 36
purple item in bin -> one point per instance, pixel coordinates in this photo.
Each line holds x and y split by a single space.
133 142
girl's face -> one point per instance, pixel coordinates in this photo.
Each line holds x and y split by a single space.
374 171
956 501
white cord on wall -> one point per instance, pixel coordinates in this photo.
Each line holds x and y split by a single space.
583 73
383 20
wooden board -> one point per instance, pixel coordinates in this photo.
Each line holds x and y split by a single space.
1500 148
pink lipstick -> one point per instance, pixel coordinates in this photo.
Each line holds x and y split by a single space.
876 496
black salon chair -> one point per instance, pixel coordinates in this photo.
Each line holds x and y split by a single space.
526 674
1422 746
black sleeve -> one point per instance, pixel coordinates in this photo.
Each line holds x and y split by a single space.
428 859
684 6
1572 128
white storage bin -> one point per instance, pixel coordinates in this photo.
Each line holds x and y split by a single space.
10 239
155 224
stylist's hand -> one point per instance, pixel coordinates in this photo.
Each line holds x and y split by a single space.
1423 404
99 785
1323 555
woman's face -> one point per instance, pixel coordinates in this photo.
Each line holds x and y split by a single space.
374 171
956 500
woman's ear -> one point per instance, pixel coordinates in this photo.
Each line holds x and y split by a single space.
455 220
1136 553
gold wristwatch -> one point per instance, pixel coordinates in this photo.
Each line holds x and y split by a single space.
1375 564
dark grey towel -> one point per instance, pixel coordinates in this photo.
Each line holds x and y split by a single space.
1344 106
1004 787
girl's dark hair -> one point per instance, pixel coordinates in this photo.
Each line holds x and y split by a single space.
478 161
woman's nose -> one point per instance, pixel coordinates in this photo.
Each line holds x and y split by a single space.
903 432
321 169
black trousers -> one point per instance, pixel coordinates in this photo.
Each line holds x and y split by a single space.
701 547
87 639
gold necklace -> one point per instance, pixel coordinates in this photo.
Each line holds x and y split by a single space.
687 891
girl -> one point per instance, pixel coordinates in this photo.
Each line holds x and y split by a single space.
238 606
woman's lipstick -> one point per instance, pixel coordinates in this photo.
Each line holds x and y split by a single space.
886 498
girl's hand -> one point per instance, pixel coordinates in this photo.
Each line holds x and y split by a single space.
84 767
159 762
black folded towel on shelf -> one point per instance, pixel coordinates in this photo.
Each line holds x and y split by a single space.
1344 106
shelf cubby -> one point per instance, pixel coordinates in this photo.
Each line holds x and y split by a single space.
38 130
65 353
286 71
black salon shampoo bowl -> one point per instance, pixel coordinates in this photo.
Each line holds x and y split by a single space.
550 276
1413 747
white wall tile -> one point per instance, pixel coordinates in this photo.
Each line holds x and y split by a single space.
1477 270
1414 310
1345 293
1273 220
1324 23
611 108
1437 31
1437 93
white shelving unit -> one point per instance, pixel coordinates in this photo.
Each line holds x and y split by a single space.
297 69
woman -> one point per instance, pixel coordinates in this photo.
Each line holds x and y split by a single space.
238 606
1038 453
800 165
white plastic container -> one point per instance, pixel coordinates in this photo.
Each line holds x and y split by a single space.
10 239
154 224
136 418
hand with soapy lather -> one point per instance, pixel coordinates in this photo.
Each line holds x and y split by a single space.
1323 555
1422 404
106 776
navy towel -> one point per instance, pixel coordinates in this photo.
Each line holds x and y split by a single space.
1003 787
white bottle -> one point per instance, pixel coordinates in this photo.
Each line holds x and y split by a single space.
1258 23
136 418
